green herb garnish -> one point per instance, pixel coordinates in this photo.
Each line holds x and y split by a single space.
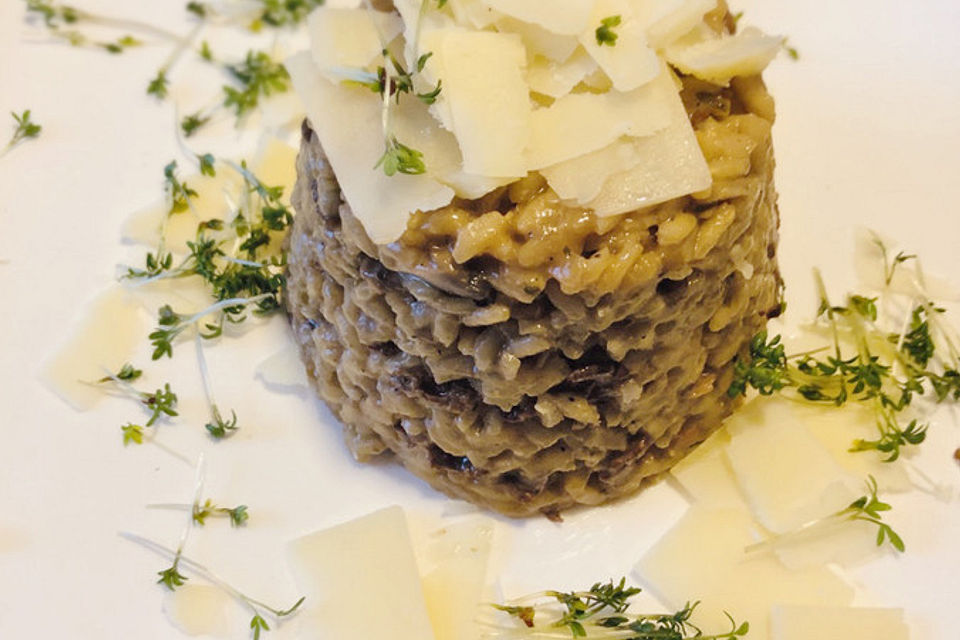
867 508
791 50
161 403
602 612
127 373
121 44
605 33
159 85
25 129
258 75
208 509
132 433
247 277
189 124
178 193
885 371
399 158
197 8
256 607
171 577
286 13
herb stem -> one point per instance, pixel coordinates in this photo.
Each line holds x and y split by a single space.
868 508
224 304
808 531
207 574
159 85
167 449
246 263
123 23
197 493
204 373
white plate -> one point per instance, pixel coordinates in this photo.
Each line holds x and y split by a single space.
868 135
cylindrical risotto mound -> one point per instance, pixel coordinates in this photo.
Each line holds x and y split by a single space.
528 356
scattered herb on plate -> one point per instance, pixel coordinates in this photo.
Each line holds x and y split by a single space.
864 363
600 612
26 129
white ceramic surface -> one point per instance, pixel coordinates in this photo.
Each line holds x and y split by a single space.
868 135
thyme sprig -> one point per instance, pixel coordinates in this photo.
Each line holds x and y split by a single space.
178 193
171 324
258 75
867 508
391 81
238 261
283 13
171 576
270 13
161 403
56 16
26 129
254 77
218 427
399 158
886 370
159 85
238 515
602 611
258 609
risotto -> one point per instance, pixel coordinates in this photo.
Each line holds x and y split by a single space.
528 355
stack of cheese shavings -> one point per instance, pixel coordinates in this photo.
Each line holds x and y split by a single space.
526 86
747 543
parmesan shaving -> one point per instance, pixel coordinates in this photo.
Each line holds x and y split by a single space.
671 165
539 41
565 17
100 344
488 97
630 62
718 61
788 477
456 584
669 20
341 116
200 610
341 569
704 555
585 122
349 38
557 80
507 87
792 622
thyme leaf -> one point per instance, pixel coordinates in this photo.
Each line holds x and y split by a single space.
886 371
159 85
602 612
286 13
605 34
171 578
25 129
191 123
258 76
258 624
399 158
238 515
132 433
